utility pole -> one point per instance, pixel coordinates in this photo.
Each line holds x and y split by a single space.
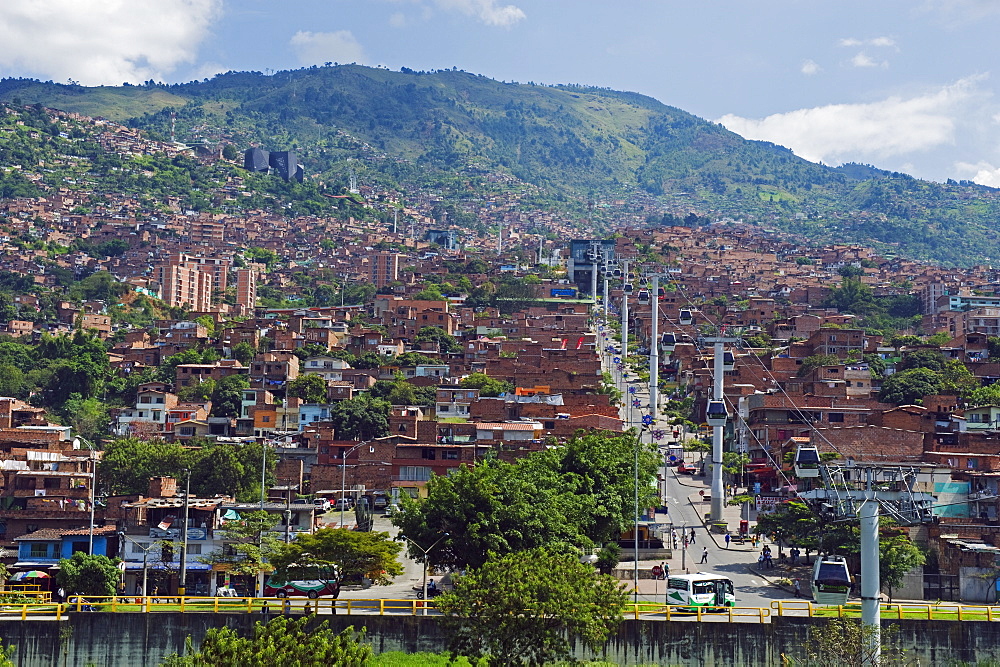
624 354
182 588
595 249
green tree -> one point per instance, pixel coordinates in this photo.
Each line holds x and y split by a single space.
897 556
361 418
88 417
922 358
410 359
311 388
229 152
356 554
250 543
577 495
218 470
86 574
445 341
910 387
283 641
244 352
816 361
367 360
128 463
529 608
486 385
227 399
988 395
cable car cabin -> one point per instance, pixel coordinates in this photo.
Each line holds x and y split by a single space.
660 293
627 288
668 342
716 414
617 273
831 580
643 298
728 361
807 461
686 318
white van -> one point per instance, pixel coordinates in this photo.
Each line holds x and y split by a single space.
702 589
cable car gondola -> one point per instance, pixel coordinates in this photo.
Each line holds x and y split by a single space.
716 414
643 298
627 288
661 292
831 580
686 318
728 361
617 273
668 342
807 461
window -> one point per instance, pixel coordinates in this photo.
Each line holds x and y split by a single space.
194 549
39 550
449 455
428 453
444 408
138 547
51 482
267 419
835 417
972 464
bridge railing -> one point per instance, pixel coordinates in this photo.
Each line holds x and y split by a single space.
898 610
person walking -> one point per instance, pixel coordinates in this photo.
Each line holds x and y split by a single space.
798 589
727 540
704 555
692 536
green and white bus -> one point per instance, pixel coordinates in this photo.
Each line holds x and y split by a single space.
702 589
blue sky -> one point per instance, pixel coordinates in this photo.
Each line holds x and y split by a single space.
905 85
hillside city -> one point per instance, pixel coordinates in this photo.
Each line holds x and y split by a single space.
353 353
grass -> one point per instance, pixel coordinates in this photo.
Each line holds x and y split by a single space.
913 613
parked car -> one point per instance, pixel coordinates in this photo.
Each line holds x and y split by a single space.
686 469
343 503
379 502
322 504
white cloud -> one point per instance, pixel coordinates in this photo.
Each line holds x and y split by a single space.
809 68
983 173
486 11
397 20
872 131
313 48
878 42
862 59
102 41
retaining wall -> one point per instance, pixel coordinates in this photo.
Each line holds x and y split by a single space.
140 640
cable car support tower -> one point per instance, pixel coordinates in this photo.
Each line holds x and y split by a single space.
863 491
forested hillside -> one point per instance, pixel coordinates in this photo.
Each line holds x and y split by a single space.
566 146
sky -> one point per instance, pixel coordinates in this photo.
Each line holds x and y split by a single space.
905 85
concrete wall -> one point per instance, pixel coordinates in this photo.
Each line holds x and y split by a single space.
124 640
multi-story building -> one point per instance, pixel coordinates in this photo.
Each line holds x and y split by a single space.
246 289
384 267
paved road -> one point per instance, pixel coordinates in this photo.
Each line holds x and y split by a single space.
752 590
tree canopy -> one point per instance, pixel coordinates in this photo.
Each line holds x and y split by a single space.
528 607
86 574
575 495
356 554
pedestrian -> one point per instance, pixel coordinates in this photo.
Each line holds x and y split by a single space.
794 553
756 537
61 593
663 569
666 571
727 540
798 589
692 536
704 554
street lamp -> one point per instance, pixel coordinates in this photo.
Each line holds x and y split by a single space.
145 557
425 552
182 589
343 477
93 483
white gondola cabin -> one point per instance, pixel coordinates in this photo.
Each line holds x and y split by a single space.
807 461
686 318
627 288
668 342
831 580
716 414
728 361
643 298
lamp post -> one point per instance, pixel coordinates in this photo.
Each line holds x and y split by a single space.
425 552
93 498
182 588
343 478
145 557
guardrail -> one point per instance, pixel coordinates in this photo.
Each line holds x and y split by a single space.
898 610
670 612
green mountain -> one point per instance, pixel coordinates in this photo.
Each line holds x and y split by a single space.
453 132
